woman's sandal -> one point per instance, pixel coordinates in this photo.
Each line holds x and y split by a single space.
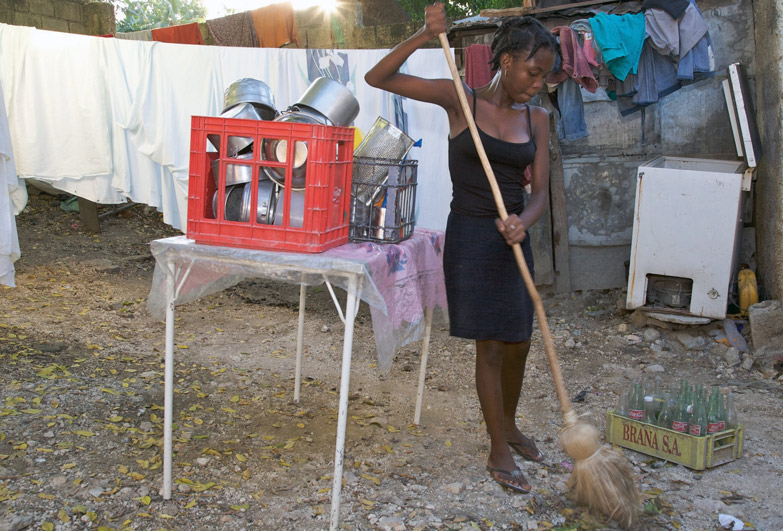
517 479
527 450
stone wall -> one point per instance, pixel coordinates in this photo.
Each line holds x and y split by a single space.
70 16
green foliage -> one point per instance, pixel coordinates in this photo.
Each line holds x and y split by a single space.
456 10
135 15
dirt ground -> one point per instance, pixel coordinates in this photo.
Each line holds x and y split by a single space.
82 406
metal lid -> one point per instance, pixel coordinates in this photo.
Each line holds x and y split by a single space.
742 115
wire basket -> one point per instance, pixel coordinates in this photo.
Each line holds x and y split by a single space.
390 219
383 141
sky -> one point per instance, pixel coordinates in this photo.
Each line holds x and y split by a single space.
217 8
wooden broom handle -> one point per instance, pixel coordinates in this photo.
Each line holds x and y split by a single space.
549 346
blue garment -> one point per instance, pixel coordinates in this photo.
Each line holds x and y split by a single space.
657 78
571 125
620 38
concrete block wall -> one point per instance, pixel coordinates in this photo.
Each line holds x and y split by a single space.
70 16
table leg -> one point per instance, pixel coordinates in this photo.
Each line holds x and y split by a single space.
425 349
342 412
168 400
299 342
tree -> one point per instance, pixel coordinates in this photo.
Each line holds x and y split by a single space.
456 10
138 15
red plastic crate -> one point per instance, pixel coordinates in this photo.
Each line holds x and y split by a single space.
328 171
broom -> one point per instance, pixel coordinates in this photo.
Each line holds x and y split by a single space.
602 479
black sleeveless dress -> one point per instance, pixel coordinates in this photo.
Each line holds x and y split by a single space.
486 295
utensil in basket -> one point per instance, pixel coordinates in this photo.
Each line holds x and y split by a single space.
383 141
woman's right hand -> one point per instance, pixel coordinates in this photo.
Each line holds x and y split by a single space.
435 19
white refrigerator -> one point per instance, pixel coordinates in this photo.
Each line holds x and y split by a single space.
688 221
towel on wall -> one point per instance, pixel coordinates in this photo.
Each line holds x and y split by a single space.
477 69
275 25
184 34
234 30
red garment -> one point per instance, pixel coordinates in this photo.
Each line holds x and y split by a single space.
185 34
275 25
477 70
575 63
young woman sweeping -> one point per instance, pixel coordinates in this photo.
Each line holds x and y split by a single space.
487 298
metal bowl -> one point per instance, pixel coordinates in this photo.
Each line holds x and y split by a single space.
276 149
332 100
253 91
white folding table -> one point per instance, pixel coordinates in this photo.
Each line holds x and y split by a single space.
402 283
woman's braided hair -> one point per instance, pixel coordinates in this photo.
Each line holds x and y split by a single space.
520 34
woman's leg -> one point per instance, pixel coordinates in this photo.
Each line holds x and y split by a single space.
512 374
490 386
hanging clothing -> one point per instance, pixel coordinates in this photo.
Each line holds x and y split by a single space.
275 25
13 197
675 37
575 63
477 70
571 125
143 35
698 63
675 8
59 136
234 30
183 34
620 38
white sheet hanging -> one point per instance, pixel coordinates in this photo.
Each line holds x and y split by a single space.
58 110
13 197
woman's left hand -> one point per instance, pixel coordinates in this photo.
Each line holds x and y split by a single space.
512 229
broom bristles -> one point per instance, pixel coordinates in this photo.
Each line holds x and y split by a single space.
602 479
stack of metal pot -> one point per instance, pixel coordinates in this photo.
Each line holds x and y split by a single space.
325 102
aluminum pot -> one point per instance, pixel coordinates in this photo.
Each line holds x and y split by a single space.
332 100
296 209
276 149
253 91
235 173
234 207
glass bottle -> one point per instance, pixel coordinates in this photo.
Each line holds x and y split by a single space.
714 420
680 418
636 404
698 423
622 403
665 418
658 396
731 412
649 409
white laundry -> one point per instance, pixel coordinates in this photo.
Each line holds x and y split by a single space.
58 110
13 197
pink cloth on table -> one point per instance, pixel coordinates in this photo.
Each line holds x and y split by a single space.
575 62
477 69
409 274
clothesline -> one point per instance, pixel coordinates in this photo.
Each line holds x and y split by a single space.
272 26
